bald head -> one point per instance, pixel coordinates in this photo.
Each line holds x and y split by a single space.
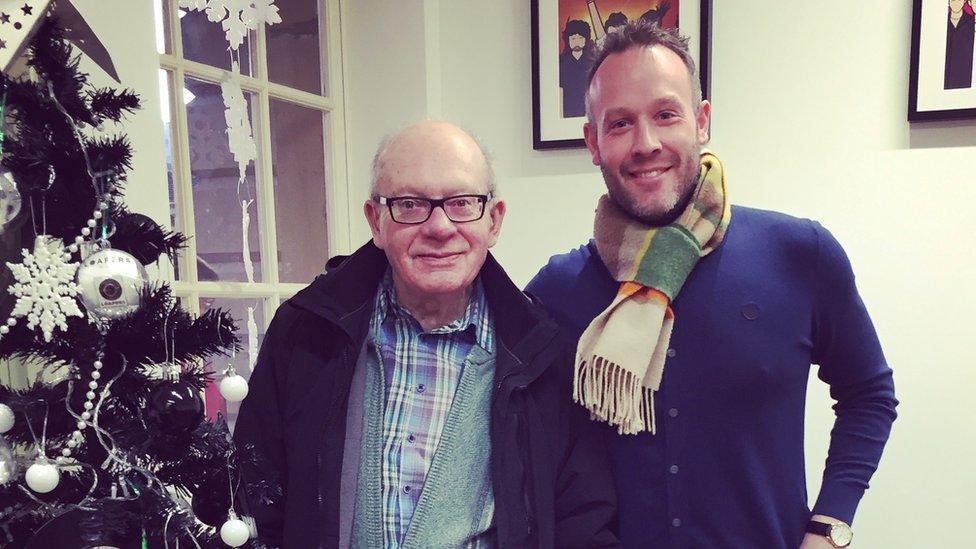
428 148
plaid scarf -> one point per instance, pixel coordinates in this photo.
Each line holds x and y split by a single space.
617 372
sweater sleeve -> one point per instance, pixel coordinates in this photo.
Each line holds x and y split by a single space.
847 350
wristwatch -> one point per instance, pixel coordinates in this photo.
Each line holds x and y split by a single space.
839 534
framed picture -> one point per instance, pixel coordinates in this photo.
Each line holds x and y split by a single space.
563 37
942 79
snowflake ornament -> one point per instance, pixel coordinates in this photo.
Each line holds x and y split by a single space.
45 287
236 17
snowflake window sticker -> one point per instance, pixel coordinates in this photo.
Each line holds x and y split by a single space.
236 17
45 287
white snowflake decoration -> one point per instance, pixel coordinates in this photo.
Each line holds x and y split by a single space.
240 140
236 17
45 287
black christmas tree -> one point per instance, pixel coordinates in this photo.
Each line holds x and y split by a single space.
109 444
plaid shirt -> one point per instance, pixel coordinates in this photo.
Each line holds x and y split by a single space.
421 371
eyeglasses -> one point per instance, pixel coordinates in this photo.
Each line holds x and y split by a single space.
413 210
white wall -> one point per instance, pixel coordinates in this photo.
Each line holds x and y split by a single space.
810 106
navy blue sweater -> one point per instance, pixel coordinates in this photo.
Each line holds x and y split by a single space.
726 466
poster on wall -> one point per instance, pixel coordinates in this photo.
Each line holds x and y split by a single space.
564 33
942 78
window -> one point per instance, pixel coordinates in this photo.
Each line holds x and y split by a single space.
294 193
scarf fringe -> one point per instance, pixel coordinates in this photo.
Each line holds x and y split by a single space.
614 395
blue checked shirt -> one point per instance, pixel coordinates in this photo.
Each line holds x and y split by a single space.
421 371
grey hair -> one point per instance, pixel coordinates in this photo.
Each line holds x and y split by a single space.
388 139
643 34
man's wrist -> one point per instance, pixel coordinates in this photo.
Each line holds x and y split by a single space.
836 531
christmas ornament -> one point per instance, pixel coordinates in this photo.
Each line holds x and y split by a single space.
42 476
44 288
233 387
8 464
18 21
236 17
6 418
111 284
234 532
240 139
10 200
174 408
211 501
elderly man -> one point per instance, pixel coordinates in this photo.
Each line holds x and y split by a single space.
413 396
707 420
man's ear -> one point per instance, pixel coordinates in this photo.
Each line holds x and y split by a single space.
704 121
497 214
589 135
372 211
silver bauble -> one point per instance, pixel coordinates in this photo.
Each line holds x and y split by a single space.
10 199
112 283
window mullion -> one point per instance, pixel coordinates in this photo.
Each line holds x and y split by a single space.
180 142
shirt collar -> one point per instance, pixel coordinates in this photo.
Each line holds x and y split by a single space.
475 320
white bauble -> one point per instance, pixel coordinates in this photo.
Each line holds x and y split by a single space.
233 388
234 532
42 477
6 418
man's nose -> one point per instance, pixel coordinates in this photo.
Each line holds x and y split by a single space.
646 140
438 224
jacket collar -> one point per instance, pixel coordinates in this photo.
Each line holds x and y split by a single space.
344 296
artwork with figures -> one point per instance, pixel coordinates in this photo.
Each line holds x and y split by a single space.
565 34
941 83
587 21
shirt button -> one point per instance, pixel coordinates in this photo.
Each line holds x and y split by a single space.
673 469
411 438
673 412
671 353
421 388
676 522
406 490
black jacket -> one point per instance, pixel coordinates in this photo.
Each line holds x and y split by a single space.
550 476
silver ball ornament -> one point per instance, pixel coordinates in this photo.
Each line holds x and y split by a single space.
233 388
234 532
111 283
6 418
42 477
10 199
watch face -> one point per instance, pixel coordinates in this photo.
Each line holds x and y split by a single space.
841 534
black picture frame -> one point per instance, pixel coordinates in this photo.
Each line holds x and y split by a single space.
936 91
543 137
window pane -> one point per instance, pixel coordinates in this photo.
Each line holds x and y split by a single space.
165 92
217 364
217 196
298 158
204 42
293 46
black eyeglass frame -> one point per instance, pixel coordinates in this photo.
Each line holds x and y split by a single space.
389 201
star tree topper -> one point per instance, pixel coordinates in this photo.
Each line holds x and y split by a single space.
45 287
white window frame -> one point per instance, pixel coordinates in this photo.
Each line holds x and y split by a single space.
271 290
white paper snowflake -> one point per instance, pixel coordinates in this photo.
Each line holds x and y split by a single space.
45 287
240 140
236 17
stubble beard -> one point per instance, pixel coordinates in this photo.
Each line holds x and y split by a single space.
690 172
